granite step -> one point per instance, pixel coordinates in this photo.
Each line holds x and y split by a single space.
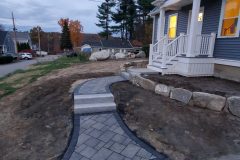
94 108
93 98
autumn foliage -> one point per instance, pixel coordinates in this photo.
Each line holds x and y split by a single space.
76 30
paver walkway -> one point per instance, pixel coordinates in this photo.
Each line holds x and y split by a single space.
104 136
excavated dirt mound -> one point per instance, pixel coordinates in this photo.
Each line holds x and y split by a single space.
200 84
182 132
35 122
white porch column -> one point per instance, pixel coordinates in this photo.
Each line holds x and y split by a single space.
153 31
161 24
193 26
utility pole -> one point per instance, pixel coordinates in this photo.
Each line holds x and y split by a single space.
39 42
15 34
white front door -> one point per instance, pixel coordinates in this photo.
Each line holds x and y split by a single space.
200 21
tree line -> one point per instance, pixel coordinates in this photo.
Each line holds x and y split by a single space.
128 18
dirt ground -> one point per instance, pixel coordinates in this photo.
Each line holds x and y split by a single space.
182 133
36 121
201 84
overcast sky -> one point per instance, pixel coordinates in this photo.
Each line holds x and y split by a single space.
46 13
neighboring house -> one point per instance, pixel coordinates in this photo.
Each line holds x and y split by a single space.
22 37
196 38
93 43
7 44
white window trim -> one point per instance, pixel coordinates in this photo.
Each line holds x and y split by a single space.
175 14
221 22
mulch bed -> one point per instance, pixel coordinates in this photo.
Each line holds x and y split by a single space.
180 131
199 84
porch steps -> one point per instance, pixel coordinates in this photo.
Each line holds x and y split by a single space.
94 103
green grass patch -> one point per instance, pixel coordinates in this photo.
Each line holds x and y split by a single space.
10 83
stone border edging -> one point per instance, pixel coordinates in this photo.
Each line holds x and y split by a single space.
73 138
199 99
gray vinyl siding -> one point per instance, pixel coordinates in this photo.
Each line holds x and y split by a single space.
225 48
182 21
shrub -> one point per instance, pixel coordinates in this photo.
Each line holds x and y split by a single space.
6 59
145 48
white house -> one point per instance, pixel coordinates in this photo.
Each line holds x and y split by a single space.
196 38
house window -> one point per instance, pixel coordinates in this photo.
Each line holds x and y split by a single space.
172 26
230 18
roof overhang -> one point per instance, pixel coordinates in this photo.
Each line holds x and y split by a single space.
169 5
176 4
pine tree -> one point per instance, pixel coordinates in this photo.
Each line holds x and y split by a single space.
104 16
131 17
65 37
125 18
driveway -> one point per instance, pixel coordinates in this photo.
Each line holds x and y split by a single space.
23 64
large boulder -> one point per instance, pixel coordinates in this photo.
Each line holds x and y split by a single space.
181 95
99 56
141 54
131 55
120 55
143 82
163 90
233 104
210 101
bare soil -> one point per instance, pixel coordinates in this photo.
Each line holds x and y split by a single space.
200 84
36 121
181 132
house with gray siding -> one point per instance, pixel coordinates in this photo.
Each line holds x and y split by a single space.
7 44
196 38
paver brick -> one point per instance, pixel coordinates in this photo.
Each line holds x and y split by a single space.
144 154
116 156
92 142
82 138
106 136
95 133
116 147
88 152
102 154
119 138
130 151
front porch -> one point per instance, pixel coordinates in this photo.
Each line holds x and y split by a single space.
188 54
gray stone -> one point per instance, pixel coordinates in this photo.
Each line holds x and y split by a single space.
120 55
101 55
144 83
210 101
141 54
181 95
163 90
233 104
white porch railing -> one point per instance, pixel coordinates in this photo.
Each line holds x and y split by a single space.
167 49
204 45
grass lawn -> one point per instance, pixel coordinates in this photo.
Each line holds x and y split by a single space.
14 81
